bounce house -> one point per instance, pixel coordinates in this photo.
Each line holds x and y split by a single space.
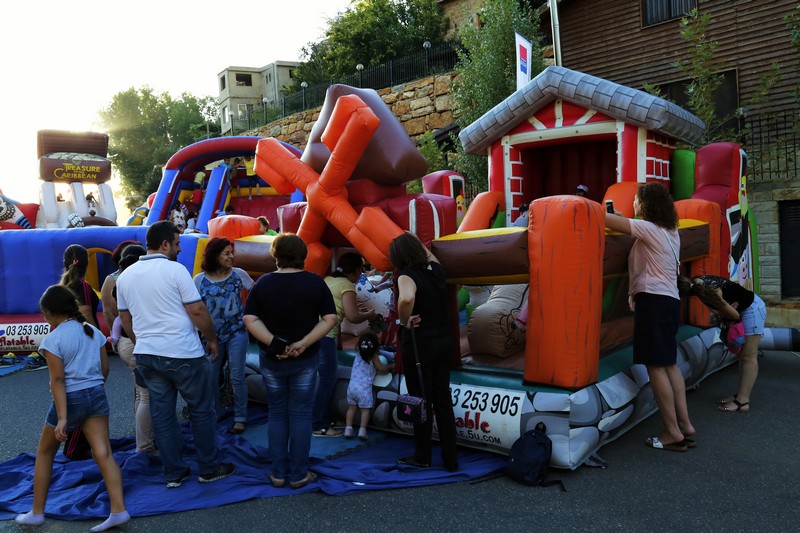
565 270
571 366
74 173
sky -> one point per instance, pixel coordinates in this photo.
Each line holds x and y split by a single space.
65 60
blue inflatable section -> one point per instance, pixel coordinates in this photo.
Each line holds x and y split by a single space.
32 260
214 200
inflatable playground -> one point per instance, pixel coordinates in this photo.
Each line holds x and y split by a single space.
543 331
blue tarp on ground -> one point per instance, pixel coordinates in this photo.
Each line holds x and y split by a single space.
345 466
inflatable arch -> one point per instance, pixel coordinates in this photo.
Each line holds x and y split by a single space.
178 182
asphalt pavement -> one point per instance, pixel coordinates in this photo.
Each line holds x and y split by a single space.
743 475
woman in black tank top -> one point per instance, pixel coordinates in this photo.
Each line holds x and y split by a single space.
422 305
733 303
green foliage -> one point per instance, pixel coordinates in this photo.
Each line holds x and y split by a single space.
432 152
370 32
314 69
145 129
704 80
652 88
487 70
701 69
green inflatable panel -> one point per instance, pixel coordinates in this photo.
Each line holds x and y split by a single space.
682 174
610 296
463 298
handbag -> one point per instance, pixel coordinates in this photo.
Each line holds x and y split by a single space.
410 408
76 447
733 337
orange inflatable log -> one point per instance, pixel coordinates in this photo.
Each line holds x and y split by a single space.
318 259
566 243
350 111
281 168
379 231
312 225
233 227
710 213
482 211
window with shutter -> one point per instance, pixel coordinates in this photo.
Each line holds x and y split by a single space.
657 11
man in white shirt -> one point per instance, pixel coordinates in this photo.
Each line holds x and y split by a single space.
161 312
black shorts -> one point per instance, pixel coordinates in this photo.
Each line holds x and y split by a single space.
655 326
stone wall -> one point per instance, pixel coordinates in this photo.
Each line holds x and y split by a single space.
764 197
459 13
420 105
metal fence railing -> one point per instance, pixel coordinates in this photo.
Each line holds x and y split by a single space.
435 60
772 143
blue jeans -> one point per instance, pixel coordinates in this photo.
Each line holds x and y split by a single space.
290 394
328 369
81 404
165 377
235 351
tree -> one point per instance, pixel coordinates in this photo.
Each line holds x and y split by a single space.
370 32
146 129
701 70
704 83
487 70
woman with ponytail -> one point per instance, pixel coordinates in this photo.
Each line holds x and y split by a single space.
76 261
733 303
78 365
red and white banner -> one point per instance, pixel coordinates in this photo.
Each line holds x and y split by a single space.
523 47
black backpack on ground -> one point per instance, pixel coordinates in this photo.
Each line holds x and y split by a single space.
529 458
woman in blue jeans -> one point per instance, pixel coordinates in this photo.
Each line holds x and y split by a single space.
733 303
220 285
288 311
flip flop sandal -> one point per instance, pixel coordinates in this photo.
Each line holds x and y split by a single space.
655 443
725 409
726 400
690 443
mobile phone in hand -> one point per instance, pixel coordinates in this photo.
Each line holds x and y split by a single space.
610 206
278 345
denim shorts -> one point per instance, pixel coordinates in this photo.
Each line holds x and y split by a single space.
81 404
754 317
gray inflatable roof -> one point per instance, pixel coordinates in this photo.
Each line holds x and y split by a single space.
617 101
